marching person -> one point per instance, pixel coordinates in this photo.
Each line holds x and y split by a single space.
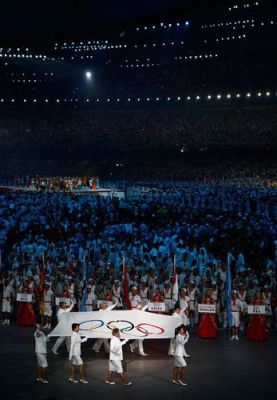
178 315
235 312
8 294
116 357
179 370
41 351
139 342
75 354
63 308
47 305
134 297
97 345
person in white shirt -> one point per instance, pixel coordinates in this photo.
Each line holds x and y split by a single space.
8 294
178 315
41 351
97 345
235 313
75 354
179 370
63 308
134 297
48 296
139 342
116 357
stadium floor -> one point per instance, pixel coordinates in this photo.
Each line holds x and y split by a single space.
216 370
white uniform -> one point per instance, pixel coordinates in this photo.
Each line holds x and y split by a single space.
143 295
97 345
75 349
116 354
47 300
139 342
41 348
180 352
168 299
235 311
178 322
117 295
90 301
135 300
7 299
61 339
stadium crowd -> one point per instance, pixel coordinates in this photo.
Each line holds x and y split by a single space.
80 245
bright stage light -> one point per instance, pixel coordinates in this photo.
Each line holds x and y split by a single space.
88 75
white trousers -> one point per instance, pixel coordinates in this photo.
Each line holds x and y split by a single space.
97 345
138 344
60 340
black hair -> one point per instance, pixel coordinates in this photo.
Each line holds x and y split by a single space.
74 326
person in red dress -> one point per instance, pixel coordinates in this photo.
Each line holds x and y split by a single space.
257 328
26 314
207 328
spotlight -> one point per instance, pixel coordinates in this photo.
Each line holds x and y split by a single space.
88 75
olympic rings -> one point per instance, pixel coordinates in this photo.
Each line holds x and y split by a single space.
92 327
140 329
122 330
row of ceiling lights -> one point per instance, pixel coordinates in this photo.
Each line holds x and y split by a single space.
148 99
245 5
200 56
219 24
162 25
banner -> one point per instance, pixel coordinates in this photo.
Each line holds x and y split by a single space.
65 300
133 324
156 307
24 297
253 309
206 308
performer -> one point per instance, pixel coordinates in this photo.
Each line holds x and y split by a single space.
235 312
117 291
97 345
41 351
207 328
63 308
257 329
116 357
47 305
167 293
26 314
178 315
75 354
90 298
139 342
8 294
193 311
134 297
242 294
179 370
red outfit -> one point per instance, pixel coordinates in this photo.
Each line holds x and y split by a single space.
257 328
26 314
207 328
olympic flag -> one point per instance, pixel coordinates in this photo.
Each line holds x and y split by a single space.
133 324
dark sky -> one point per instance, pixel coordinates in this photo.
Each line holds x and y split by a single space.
48 20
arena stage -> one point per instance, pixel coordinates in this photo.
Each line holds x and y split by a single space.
217 369
104 192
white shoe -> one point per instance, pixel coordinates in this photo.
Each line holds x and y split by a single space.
182 383
55 352
72 380
4 322
233 337
83 381
187 355
175 382
171 354
49 326
131 348
143 354
38 379
236 337
44 381
128 383
110 382
96 351
8 322
45 326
